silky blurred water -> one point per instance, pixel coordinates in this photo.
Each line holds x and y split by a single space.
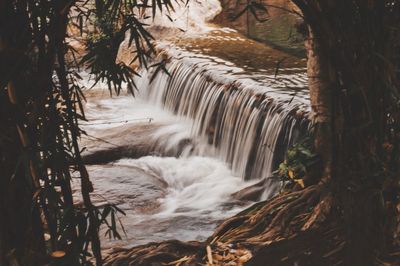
158 163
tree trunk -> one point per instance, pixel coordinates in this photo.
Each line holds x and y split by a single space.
321 83
21 243
346 82
21 240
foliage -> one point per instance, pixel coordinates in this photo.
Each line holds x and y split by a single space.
41 103
299 159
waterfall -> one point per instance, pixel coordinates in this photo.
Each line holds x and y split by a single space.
249 125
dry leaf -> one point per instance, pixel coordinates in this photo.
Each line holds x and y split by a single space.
291 174
300 182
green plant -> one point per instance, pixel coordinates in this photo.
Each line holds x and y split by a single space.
297 161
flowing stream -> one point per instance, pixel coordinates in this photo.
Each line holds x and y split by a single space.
219 121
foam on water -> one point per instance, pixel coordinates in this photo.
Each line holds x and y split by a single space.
234 125
249 123
168 198
164 197
195 185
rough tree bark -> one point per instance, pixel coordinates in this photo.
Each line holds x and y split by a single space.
349 53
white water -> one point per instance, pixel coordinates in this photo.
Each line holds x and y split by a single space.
249 123
164 197
195 185
212 126
187 207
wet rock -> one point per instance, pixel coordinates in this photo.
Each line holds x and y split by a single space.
251 193
125 141
132 141
128 186
276 27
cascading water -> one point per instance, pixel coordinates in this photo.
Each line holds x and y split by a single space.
164 195
248 128
174 157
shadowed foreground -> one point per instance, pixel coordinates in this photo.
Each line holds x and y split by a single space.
299 227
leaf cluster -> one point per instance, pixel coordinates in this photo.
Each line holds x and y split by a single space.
299 159
108 24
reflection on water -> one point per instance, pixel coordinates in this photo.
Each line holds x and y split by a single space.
232 46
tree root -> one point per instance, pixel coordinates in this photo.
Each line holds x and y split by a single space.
157 254
291 227
275 219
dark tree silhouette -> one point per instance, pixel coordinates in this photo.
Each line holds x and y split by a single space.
353 68
347 215
41 105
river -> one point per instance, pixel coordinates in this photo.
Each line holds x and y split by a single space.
220 121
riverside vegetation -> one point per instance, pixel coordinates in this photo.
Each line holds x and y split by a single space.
340 203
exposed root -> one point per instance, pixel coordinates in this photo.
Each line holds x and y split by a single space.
289 228
311 247
163 253
278 218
